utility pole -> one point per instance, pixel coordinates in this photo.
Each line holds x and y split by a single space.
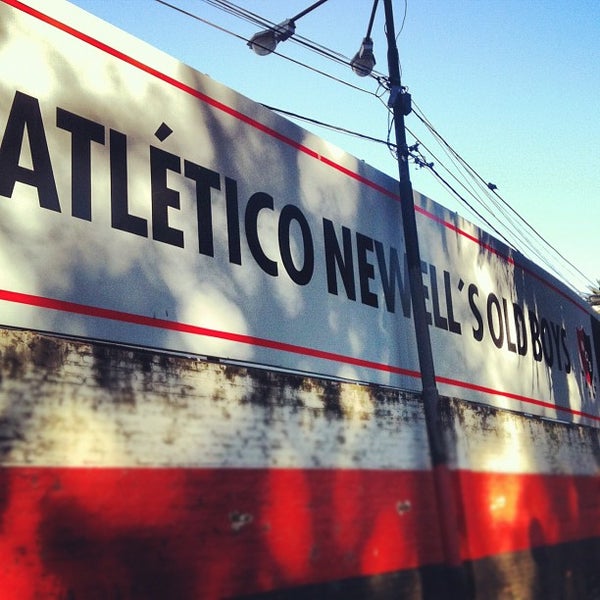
399 102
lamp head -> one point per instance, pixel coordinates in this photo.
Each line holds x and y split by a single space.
364 60
264 42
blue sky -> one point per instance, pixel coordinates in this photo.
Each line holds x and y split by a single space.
511 85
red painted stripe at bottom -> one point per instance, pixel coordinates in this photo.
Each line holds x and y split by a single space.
201 533
188 533
512 512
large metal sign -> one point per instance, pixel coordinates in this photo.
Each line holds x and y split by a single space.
143 203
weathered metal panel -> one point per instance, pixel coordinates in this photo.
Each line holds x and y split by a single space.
74 403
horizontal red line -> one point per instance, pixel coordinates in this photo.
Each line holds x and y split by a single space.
487 390
197 94
134 319
501 255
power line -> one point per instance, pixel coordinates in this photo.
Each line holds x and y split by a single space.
264 23
325 125
484 193
420 160
499 202
333 55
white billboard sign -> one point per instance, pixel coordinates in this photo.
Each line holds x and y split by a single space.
143 203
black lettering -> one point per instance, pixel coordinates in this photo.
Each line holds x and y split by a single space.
83 133
512 347
366 271
424 271
563 340
25 114
453 326
205 180
521 329
233 222
439 321
290 213
392 279
472 293
556 337
547 343
120 217
256 203
536 344
335 258
496 329
164 197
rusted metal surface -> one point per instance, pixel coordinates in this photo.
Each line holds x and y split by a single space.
484 438
64 401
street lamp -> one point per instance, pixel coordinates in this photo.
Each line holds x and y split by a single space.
364 60
264 42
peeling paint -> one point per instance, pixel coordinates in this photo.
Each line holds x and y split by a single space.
239 520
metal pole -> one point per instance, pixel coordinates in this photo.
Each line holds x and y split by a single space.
446 500
307 10
413 254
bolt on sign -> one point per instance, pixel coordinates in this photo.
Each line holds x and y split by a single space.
143 203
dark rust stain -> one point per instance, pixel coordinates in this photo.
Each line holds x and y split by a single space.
47 353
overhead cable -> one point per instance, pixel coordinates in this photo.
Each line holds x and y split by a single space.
483 192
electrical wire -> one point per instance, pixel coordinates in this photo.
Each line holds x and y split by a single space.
391 146
465 184
464 175
328 53
329 126
503 206
245 39
401 28
420 161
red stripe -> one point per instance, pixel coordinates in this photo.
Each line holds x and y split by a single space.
205 533
197 94
134 319
464 234
577 302
202 533
518 397
512 512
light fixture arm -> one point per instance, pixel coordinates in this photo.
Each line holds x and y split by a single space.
264 42
307 10
373 11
